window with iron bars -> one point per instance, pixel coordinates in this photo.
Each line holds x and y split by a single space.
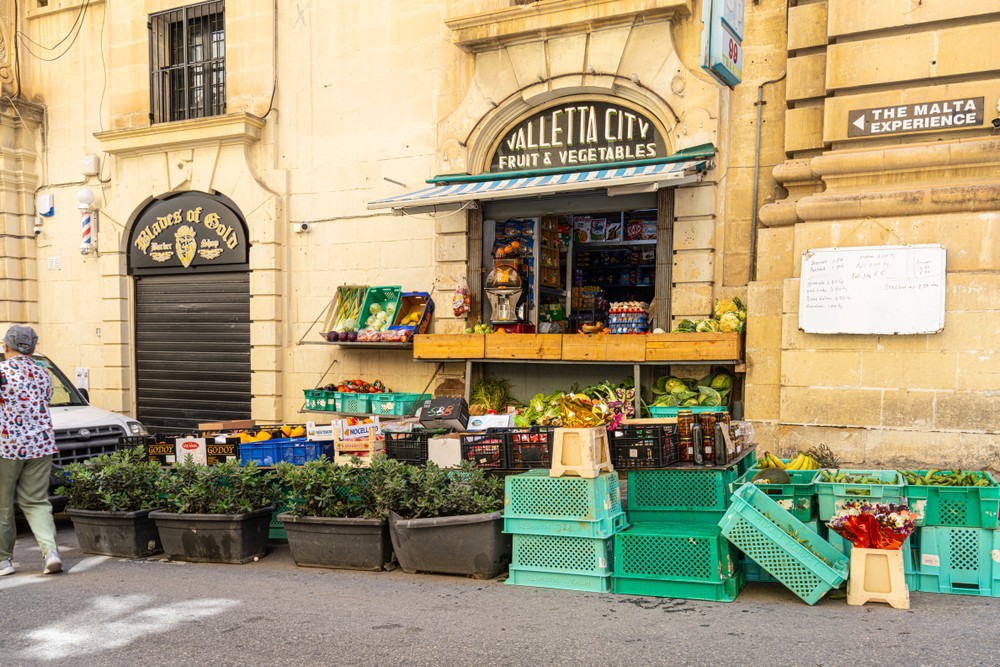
187 56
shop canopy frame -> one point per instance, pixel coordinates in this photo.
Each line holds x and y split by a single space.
453 193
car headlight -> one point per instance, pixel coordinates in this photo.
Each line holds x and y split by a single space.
135 428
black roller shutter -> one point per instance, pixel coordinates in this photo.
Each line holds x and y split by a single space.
192 349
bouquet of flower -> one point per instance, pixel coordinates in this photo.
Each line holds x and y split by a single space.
874 525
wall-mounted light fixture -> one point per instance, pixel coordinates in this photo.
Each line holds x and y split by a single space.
87 218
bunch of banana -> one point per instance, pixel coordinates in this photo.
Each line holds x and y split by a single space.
802 462
769 460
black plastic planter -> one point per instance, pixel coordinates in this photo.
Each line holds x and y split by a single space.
214 538
353 544
472 545
120 534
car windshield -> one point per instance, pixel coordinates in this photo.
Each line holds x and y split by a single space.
63 391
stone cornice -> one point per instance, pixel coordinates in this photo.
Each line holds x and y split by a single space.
548 18
234 128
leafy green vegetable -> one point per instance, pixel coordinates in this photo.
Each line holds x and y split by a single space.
492 393
709 397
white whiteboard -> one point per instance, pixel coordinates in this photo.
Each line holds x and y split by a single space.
873 290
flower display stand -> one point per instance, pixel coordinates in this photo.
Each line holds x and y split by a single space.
877 576
582 452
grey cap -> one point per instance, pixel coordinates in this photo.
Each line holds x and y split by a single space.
21 339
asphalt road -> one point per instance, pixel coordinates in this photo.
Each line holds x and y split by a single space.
106 612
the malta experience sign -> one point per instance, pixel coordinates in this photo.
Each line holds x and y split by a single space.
576 134
964 113
185 232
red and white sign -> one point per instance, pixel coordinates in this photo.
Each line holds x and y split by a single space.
196 448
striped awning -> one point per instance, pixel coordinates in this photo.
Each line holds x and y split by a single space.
620 180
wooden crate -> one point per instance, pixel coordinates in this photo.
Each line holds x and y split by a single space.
524 346
694 347
603 347
449 346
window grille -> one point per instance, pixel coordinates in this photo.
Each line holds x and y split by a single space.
187 56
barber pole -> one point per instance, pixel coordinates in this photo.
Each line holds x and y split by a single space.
86 217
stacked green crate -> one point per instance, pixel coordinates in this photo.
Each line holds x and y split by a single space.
957 542
564 529
680 495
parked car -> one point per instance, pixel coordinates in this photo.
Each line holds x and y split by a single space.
82 430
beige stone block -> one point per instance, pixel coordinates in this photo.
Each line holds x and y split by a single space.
793 338
764 298
766 435
266 282
691 299
806 77
804 127
452 248
694 233
910 370
528 60
115 310
763 331
774 253
694 266
982 450
968 331
457 223
807 26
266 333
763 366
967 411
823 368
762 402
855 16
972 291
831 407
847 444
904 408
979 371
736 266
266 409
913 449
265 384
606 47
265 257
114 354
265 308
695 201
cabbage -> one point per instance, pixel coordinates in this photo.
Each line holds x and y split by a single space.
709 397
707 326
723 306
684 326
676 385
721 382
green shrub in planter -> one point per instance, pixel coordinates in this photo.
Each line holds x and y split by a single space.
109 499
428 491
122 481
322 488
224 488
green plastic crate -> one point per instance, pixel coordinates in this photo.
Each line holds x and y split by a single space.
276 530
958 506
833 495
798 496
562 580
637 517
399 404
354 402
385 296
675 552
599 529
756 574
568 555
658 411
759 527
319 399
687 489
724 591
959 561
534 495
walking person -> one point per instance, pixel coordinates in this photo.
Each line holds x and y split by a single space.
27 443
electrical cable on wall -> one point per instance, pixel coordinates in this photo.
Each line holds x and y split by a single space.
77 26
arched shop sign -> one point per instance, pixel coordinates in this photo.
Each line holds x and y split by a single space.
578 134
190 232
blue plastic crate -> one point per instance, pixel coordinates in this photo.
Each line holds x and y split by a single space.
270 452
960 561
762 529
571 582
567 555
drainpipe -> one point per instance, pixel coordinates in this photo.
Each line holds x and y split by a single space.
756 178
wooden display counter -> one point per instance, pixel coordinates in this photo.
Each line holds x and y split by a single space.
651 348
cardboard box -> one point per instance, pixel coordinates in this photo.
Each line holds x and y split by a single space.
414 302
220 452
196 448
483 422
450 413
445 450
321 432
231 425
163 453
357 432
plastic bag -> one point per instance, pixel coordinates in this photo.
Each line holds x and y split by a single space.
461 301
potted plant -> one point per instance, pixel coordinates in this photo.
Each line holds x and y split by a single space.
447 521
333 520
109 498
215 514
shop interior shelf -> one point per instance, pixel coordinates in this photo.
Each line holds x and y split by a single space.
372 345
609 244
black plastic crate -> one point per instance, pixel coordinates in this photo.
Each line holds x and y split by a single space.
528 448
653 446
486 450
407 447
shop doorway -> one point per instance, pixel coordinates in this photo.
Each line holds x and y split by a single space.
189 254
192 344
